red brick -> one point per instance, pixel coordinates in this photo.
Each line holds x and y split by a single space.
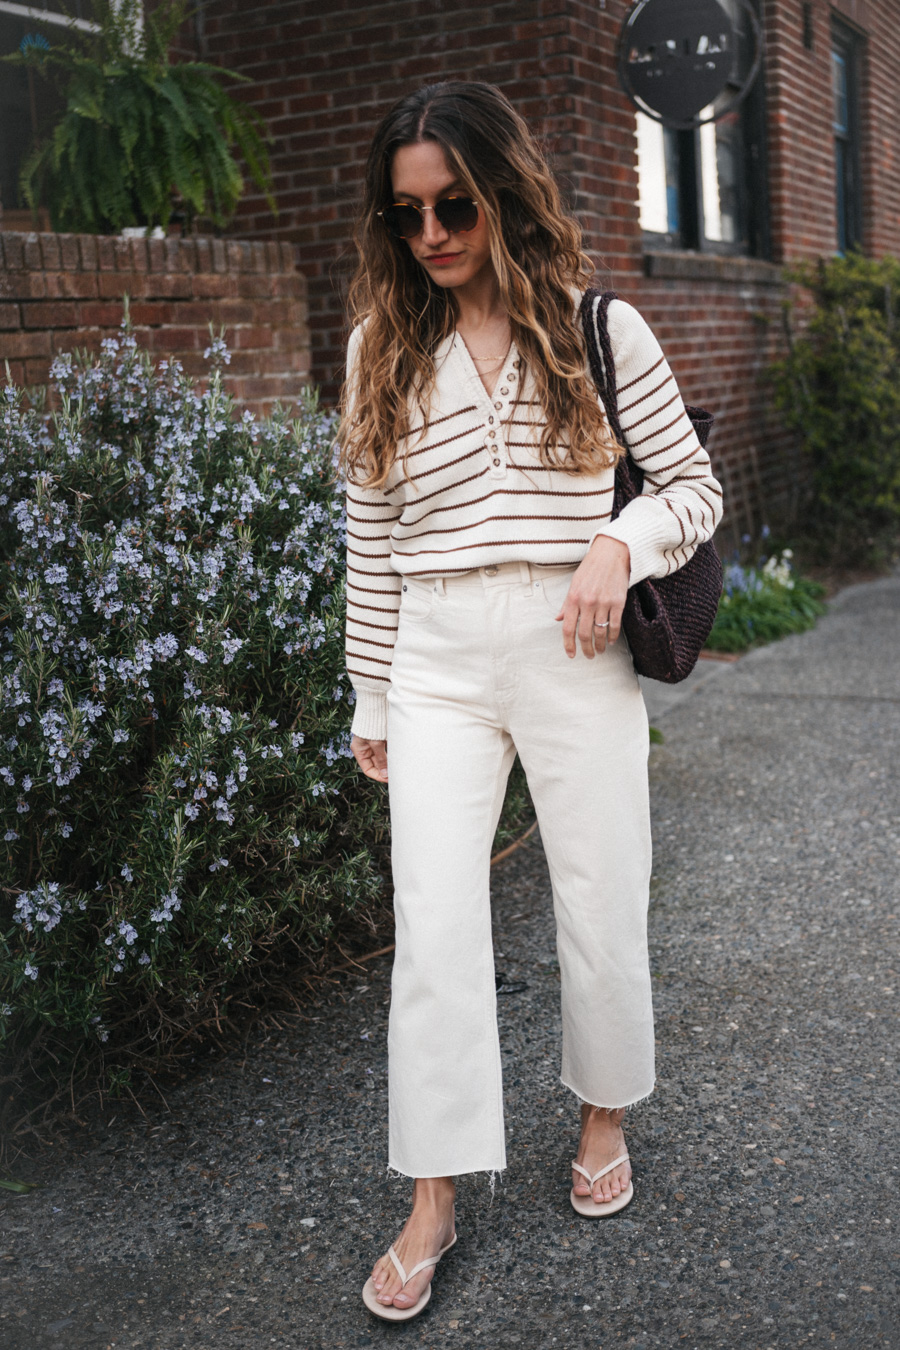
9 316
106 253
22 345
54 314
87 248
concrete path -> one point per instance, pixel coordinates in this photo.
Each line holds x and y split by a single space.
765 1165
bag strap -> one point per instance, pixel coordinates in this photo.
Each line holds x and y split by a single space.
594 309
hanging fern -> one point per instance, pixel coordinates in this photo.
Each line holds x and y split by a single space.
140 137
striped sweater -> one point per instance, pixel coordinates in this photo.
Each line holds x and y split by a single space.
475 492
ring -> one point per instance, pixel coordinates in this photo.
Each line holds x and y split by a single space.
602 625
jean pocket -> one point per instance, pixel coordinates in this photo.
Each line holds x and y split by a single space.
416 600
554 586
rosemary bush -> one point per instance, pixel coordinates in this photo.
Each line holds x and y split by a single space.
839 388
178 801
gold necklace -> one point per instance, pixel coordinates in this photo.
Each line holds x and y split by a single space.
488 358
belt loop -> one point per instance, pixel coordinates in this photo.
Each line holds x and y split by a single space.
439 588
525 575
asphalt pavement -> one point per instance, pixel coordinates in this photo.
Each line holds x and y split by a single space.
248 1212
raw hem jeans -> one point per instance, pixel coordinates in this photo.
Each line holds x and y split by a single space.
479 672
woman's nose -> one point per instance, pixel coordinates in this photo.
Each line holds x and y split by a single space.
433 232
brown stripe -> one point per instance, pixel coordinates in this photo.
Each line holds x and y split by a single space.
644 397
365 623
369 642
455 529
378 609
654 413
358 553
364 520
507 492
371 590
490 543
357 502
677 517
658 432
632 383
438 420
376 660
413 477
368 675
367 538
460 482
671 446
435 445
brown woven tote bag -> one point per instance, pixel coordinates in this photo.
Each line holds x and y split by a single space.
666 619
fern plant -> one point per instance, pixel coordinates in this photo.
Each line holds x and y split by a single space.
140 136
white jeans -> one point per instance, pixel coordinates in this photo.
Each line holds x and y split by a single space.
479 672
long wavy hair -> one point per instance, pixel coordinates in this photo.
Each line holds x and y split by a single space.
537 254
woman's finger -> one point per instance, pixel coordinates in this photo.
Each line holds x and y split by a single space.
601 627
371 756
615 622
588 635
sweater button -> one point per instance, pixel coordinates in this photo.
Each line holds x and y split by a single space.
505 391
498 406
496 461
491 420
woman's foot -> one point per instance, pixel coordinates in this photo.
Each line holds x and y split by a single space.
602 1140
429 1228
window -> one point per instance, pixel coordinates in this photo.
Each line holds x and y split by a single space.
705 189
845 62
27 102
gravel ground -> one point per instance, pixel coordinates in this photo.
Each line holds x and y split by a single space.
249 1212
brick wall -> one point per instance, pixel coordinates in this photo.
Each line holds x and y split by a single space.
59 291
321 76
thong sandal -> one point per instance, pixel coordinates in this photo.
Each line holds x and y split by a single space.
390 1311
585 1204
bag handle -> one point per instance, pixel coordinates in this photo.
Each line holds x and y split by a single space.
594 307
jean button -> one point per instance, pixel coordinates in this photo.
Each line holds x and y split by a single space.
492 570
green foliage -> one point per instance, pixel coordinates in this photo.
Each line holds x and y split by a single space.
139 136
839 388
764 603
182 823
178 801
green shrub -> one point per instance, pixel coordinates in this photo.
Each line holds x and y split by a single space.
839 388
178 801
139 136
763 603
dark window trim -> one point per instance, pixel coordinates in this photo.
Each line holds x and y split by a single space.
847 42
753 187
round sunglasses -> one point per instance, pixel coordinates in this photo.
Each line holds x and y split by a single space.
458 215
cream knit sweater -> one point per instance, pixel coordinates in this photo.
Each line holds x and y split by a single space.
475 492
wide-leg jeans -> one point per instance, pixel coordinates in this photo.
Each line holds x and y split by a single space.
480 672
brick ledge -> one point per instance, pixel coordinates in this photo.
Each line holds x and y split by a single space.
672 266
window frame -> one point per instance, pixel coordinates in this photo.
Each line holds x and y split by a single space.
752 187
847 45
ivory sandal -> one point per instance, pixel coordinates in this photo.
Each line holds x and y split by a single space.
390 1311
584 1204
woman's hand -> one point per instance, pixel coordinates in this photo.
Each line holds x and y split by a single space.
596 596
371 756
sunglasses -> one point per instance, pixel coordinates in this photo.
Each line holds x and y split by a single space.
458 215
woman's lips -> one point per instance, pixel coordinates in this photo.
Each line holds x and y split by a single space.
442 259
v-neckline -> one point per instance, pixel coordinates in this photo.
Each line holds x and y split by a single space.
510 356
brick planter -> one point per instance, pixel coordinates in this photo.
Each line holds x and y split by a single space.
62 291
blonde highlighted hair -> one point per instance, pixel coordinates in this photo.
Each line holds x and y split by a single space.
537 254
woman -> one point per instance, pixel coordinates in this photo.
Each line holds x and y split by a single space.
480 470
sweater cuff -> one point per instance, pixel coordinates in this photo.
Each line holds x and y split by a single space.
647 534
370 716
